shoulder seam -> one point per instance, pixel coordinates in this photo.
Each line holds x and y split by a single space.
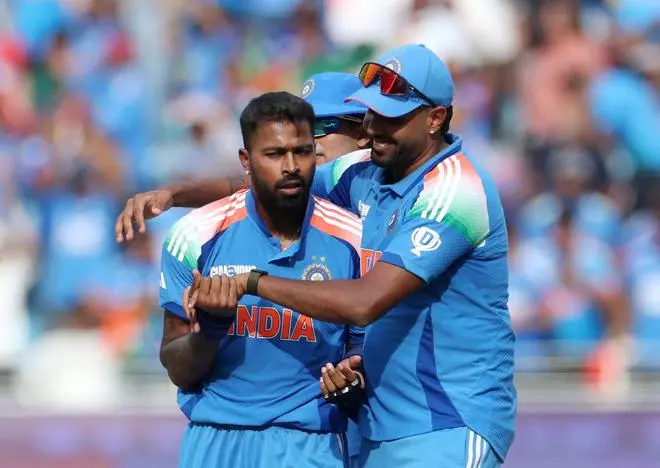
337 222
203 222
449 175
342 164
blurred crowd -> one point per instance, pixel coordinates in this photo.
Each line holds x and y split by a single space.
559 99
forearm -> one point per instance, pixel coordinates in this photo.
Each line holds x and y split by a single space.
344 302
188 359
196 194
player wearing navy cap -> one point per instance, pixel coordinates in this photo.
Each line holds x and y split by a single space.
249 384
438 353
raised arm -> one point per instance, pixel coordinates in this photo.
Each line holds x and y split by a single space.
146 205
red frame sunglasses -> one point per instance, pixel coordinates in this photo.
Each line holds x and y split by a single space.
391 83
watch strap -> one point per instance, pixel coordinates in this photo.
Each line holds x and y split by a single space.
253 281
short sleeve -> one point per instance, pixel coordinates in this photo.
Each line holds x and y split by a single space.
448 219
426 248
333 180
176 274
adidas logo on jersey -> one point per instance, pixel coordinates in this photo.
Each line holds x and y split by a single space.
231 270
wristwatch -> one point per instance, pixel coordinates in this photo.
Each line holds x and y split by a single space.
253 281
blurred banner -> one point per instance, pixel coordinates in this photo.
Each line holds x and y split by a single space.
577 440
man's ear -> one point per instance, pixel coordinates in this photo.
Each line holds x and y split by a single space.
435 119
244 157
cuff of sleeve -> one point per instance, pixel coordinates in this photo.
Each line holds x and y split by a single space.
396 260
213 328
354 351
176 309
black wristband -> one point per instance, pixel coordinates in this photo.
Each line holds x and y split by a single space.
212 328
253 281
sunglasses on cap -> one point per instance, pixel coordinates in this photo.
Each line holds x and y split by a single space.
391 83
327 125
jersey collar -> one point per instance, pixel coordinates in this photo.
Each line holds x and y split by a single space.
292 250
404 185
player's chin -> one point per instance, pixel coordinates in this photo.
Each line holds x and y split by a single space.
294 201
383 157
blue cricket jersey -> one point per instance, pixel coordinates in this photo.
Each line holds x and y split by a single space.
443 357
268 365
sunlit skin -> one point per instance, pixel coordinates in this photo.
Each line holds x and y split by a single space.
404 143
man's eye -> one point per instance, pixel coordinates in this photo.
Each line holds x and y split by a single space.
306 151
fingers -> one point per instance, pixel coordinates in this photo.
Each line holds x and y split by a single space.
187 306
324 389
194 299
327 381
346 371
124 225
218 294
333 378
197 280
355 362
232 295
138 208
216 291
138 212
337 377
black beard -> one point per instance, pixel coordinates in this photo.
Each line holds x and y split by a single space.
287 211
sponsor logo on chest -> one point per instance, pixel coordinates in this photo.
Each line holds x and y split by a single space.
230 270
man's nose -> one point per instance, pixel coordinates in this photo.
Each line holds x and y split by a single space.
370 124
290 163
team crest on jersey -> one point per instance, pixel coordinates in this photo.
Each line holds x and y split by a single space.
392 221
307 89
317 271
424 240
394 65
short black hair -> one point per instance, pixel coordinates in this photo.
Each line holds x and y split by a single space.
277 106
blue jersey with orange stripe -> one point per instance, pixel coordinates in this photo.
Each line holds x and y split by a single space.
443 357
268 365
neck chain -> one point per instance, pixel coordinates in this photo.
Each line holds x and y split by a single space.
285 244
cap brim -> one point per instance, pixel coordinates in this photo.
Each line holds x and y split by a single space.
387 106
332 110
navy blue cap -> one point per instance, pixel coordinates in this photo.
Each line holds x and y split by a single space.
326 92
422 69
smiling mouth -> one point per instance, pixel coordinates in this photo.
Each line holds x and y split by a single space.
380 145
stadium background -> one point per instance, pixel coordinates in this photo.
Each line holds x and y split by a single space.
560 99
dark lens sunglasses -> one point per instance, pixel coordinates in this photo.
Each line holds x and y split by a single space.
391 83
328 125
